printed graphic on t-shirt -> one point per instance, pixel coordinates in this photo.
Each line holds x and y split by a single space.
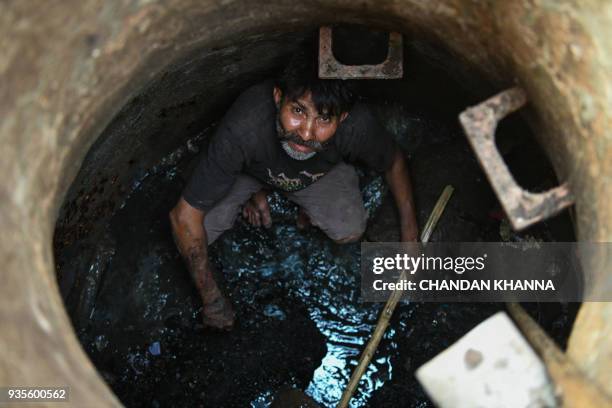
283 182
292 184
313 177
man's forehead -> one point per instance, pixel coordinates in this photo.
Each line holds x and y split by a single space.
306 102
305 99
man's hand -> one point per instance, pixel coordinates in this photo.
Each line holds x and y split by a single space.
401 188
257 210
190 238
217 311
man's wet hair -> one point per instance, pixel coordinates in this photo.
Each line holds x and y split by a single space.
330 96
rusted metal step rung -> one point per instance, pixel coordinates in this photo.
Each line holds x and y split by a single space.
522 207
331 68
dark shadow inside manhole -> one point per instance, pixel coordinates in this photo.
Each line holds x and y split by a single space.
301 323
359 45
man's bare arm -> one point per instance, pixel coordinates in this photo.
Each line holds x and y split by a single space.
190 237
401 187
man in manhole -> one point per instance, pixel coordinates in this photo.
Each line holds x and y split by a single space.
298 135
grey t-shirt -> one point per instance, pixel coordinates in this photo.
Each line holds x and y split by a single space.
246 141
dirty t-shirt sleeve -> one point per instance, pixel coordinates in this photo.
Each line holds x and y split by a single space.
362 138
216 171
224 160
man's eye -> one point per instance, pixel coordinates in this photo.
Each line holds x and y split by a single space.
324 118
297 110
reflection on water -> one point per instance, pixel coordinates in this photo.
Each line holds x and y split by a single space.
324 276
138 315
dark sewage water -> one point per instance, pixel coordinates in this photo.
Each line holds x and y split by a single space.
300 320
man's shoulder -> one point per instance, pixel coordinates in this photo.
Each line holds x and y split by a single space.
361 120
260 91
359 113
362 137
252 108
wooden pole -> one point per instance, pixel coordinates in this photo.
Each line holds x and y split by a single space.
385 316
577 391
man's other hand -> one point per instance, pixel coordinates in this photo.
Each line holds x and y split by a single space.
257 210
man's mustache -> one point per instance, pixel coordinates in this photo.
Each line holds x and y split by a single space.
295 138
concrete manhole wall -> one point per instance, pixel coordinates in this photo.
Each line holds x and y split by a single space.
69 67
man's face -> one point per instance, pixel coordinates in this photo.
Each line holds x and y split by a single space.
302 128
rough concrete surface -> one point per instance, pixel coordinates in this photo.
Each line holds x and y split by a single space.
68 67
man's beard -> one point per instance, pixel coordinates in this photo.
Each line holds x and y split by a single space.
286 137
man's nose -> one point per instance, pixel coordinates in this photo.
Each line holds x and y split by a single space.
307 130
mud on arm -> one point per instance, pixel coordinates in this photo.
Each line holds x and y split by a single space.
190 238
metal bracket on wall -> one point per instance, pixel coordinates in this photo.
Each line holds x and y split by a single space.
522 207
331 68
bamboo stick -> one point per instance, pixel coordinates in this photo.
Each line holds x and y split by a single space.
385 316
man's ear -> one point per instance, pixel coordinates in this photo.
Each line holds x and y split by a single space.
343 116
278 95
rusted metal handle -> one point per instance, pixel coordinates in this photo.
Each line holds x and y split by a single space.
522 207
330 67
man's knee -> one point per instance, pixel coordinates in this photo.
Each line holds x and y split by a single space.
219 221
223 215
349 233
348 239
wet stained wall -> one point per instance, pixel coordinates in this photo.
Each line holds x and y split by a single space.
301 323
71 66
